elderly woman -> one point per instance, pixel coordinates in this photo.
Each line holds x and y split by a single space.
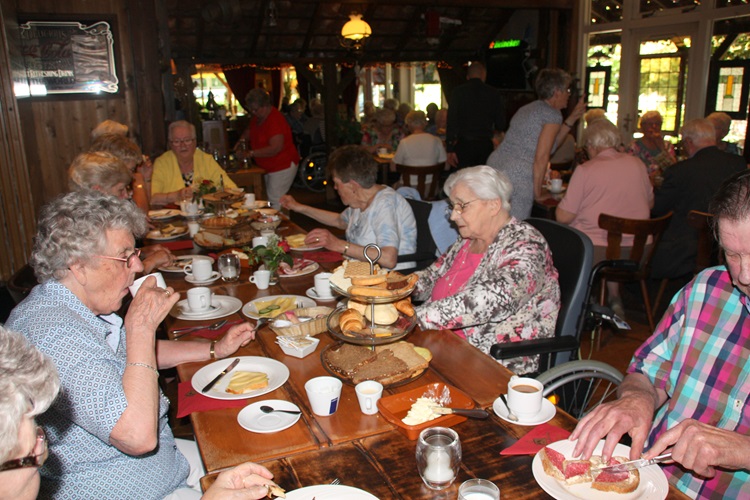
497 283
418 149
101 171
139 164
110 431
184 166
375 213
610 182
535 131
384 133
722 122
656 153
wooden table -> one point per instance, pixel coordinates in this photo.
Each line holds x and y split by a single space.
251 179
364 450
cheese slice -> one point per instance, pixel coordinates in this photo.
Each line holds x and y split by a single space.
284 304
243 382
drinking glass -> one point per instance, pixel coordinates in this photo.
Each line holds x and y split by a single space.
438 457
229 267
478 489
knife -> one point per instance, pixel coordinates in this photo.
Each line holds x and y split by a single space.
221 375
637 464
466 412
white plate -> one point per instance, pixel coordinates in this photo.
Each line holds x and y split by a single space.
254 420
653 485
311 267
157 236
214 276
180 262
314 295
306 249
277 373
192 314
251 311
226 305
163 214
545 415
329 492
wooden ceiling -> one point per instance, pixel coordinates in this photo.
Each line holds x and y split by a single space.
277 32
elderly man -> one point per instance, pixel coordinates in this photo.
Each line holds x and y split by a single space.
693 372
184 166
689 185
271 143
108 433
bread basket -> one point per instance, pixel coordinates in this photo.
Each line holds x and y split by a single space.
312 327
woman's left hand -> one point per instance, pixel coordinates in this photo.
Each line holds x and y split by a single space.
237 336
324 238
161 257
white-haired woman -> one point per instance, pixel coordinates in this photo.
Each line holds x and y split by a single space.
418 149
722 123
110 431
656 153
497 283
610 182
534 131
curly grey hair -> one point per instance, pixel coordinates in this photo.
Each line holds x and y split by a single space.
485 182
416 119
602 134
28 385
353 163
97 170
73 227
179 124
257 97
549 81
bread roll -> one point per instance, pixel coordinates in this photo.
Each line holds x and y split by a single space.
385 314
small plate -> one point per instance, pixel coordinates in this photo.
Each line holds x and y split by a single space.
314 295
310 267
251 311
306 248
254 420
180 262
156 235
277 373
214 276
164 214
226 305
546 414
653 484
329 492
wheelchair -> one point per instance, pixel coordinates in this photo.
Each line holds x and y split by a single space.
311 173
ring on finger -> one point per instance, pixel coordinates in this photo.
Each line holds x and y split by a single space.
168 292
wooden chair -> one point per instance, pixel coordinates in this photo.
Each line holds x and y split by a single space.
641 230
706 254
427 192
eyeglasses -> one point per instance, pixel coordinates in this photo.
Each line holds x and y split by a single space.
177 142
37 458
129 260
458 207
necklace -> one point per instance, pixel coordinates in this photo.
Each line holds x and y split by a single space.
463 255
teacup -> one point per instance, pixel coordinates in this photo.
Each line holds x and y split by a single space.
260 241
323 285
199 299
261 278
525 396
201 268
160 283
555 186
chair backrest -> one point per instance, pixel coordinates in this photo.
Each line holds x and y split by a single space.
641 229
573 255
426 248
707 250
426 191
21 283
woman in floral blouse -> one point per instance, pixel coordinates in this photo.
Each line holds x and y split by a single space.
497 283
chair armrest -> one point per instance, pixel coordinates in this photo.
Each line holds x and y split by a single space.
533 347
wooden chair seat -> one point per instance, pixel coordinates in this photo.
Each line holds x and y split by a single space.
426 191
641 229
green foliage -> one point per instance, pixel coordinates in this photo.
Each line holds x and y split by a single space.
271 255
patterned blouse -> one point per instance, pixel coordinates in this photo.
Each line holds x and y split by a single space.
513 295
655 160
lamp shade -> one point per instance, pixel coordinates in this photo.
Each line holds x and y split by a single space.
356 29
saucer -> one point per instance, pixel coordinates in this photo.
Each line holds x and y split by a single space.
254 420
225 305
214 276
546 414
314 295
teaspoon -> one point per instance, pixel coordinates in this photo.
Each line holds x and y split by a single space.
268 409
511 416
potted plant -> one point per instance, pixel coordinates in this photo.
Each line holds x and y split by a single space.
271 255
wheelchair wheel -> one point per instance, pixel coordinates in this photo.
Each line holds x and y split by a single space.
312 172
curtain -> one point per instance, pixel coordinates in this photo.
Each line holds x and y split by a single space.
276 88
349 94
240 81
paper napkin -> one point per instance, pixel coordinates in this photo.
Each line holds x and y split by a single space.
538 438
324 256
189 400
178 245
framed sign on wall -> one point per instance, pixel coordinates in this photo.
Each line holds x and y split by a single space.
67 57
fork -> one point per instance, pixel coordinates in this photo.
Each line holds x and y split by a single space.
336 481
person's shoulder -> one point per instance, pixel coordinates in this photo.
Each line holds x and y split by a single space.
165 157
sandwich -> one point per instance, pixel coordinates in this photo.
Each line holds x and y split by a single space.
570 472
275 491
244 382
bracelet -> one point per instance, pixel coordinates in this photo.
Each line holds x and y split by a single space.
144 365
567 125
213 349
346 249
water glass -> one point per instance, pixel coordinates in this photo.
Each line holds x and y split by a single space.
438 457
478 489
229 266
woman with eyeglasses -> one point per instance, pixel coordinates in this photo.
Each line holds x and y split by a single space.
535 131
497 283
109 433
184 166
655 152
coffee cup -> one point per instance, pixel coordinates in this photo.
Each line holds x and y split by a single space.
324 394
249 200
382 151
160 283
261 278
525 396
193 227
200 268
555 186
323 285
368 393
260 241
199 299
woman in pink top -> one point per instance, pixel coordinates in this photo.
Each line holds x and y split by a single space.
610 182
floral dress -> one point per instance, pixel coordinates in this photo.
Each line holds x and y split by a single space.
656 161
513 295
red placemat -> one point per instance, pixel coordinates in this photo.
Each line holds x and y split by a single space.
178 245
189 400
324 256
538 438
